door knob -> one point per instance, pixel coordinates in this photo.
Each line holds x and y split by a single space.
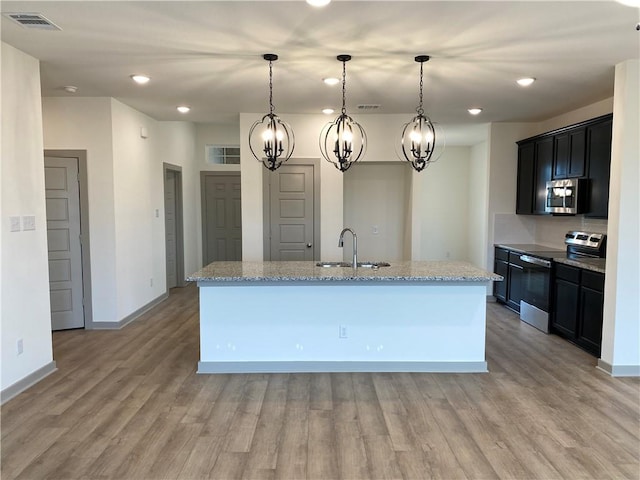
309 245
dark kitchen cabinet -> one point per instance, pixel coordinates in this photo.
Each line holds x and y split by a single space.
544 163
599 165
569 154
589 335
565 316
526 177
577 151
535 161
509 291
578 307
501 267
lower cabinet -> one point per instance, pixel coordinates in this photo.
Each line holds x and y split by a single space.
578 303
500 288
509 291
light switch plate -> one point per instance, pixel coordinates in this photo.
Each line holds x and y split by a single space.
29 222
14 224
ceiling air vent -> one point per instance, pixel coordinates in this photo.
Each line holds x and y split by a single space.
367 107
32 20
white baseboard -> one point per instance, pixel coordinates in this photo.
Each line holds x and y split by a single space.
619 370
334 367
26 382
131 317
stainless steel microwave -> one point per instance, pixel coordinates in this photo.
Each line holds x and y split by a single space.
566 196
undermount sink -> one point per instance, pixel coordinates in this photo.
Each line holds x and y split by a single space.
333 264
373 265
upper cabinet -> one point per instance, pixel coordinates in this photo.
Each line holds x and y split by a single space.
535 162
569 154
599 166
577 151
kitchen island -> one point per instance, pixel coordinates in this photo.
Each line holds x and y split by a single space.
299 317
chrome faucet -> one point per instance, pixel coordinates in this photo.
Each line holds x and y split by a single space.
355 244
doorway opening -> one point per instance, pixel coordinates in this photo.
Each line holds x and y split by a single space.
173 225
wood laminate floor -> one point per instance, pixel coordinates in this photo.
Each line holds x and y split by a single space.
128 404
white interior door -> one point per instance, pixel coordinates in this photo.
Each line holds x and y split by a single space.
63 238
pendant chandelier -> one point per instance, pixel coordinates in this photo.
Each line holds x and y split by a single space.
271 140
343 141
419 135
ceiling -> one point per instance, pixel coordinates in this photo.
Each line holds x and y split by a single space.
208 55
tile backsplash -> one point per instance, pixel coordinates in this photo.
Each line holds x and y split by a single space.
550 231
542 230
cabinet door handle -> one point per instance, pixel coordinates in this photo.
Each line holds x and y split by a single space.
309 245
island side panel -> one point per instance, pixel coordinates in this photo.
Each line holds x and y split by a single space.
409 327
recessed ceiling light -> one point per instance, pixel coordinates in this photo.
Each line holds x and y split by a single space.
318 3
474 111
140 79
525 82
328 111
331 81
183 109
70 88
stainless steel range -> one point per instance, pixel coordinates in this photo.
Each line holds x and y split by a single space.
536 274
586 245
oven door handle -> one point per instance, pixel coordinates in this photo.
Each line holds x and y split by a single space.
536 261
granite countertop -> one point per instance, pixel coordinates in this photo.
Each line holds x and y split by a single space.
439 271
593 264
529 248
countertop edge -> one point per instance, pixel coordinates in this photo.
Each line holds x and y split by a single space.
580 264
308 272
329 280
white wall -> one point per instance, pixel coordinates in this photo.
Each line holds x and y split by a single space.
177 146
621 329
209 134
478 203
307 129
504 226
443 206
215 134
125 190
138 193
25 274
425 209
375 197
575 116
82 123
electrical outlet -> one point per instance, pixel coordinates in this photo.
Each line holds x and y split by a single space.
151 282
343 331
20 346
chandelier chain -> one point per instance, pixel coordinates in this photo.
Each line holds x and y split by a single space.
344 86
420 110
270 87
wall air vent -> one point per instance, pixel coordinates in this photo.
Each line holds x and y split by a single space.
368 107
32 20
